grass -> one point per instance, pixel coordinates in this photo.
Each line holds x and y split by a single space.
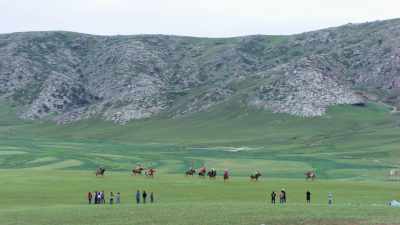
349 142
46 169
58 197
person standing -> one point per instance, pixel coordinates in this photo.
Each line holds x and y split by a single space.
151 197
138 197
103 198
308 197
282 197
111 198
273 197
99 197
144 195
330 198
89 197
118 198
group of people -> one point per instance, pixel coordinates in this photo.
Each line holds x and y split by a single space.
142 197
98 197
283 197
202 171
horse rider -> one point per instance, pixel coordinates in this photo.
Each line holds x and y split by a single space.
226 175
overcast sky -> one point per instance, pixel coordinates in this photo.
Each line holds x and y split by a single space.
212 18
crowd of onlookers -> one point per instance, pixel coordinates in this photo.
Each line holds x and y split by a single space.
283 197
98 197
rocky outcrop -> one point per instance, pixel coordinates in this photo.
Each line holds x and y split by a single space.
303 90
67 77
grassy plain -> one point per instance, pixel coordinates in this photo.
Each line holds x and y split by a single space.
46 169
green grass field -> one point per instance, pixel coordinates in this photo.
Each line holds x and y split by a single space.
58 197
47 169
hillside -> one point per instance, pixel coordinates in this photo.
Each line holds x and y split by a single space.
347 142
66 77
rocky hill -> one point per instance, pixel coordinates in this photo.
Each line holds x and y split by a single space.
66 77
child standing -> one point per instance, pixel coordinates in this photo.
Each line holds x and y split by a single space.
330 198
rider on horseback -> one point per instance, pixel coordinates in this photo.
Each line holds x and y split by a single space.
137 170
255 176
226 175
202 171
151 172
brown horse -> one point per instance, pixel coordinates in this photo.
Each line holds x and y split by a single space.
202 171
310 175
190 172
226 175
150 172
255 177
100 171
137 170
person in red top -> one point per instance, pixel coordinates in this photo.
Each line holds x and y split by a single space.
151 172
226 175
90 196
202 171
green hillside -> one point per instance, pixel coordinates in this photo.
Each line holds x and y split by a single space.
349 142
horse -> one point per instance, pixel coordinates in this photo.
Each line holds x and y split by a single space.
150 172
310 175
202 172
100 171
255 176
190 172
212 174
226 175
138 170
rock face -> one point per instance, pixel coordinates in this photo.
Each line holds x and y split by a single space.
303 90
66 77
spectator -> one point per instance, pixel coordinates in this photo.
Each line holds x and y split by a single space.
151 197
103 198
90 196
99 197
138 197
144 195
273 197
282 197
111 198
330 198
118 198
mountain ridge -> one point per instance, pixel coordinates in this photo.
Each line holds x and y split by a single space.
67 76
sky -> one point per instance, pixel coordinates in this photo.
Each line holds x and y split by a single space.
205 18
